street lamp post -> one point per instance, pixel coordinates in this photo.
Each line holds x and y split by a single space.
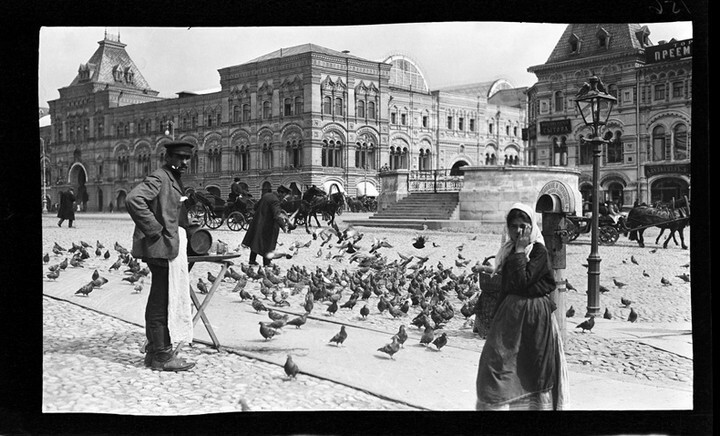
595 105
170 130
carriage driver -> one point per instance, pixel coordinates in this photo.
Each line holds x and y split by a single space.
235 190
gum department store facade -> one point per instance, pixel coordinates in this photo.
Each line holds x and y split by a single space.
308 115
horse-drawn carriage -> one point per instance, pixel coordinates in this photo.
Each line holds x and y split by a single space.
302 208
673 216
212 211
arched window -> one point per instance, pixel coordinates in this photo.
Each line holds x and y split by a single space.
246 113
424 160
361 109
298 105
371 110
657 147
331 153
614 148
398 158
241 158
338 107
236 114
559 101
364 155
194 166
327 105
267 110
586 152
560 153
267 156
293 151
287 107
680 142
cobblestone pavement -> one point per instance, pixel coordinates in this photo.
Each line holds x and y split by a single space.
92 364
640 268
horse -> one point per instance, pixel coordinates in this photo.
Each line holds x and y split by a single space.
300 207
356 204
674 217
329 206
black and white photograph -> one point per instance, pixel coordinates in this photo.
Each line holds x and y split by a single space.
434 216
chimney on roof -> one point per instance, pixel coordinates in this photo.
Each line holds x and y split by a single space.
346 51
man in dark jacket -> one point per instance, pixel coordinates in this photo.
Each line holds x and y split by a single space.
156 207
235 190
262 235
66 211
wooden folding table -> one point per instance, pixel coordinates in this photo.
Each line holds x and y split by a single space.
223 260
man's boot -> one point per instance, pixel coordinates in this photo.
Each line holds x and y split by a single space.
149 351
163 356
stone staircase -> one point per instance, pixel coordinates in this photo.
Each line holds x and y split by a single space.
433 211
423 206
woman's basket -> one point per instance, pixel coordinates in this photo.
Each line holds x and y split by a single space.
485 307
489 282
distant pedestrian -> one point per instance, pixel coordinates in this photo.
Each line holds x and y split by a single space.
66 211
111 206
262 235
522 365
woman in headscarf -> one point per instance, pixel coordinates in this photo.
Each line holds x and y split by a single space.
522 365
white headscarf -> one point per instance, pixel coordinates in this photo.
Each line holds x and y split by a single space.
507 245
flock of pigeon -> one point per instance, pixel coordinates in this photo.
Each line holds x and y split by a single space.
406 282
589 323
135 273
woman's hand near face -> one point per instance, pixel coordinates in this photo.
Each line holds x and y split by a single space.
523 238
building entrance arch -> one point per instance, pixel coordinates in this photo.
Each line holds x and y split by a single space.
455 169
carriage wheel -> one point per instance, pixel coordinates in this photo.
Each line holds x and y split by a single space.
608 235
236 221
213 221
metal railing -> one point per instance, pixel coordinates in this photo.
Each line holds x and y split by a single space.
434 181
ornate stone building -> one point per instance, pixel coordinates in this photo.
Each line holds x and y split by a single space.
299 116
648 154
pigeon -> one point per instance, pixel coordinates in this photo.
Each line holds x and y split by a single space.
618 283
632 317
258 305
52 275
202 287
56 252
364 311
391 348
645 274
291 368
107 254
58 247
603 289
298 321
633 260
245 295
419 242
99 282
570 312
332 308
427 336
240 284
664 281
85 244
95 275
279 323
76 262
266 331
116 265
64 263
607 314
588 324
440 341
684 276
46 258
274 315
340 337
401 335
85 289
568 286
625 302
139 287
132 279
211 277
99 245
